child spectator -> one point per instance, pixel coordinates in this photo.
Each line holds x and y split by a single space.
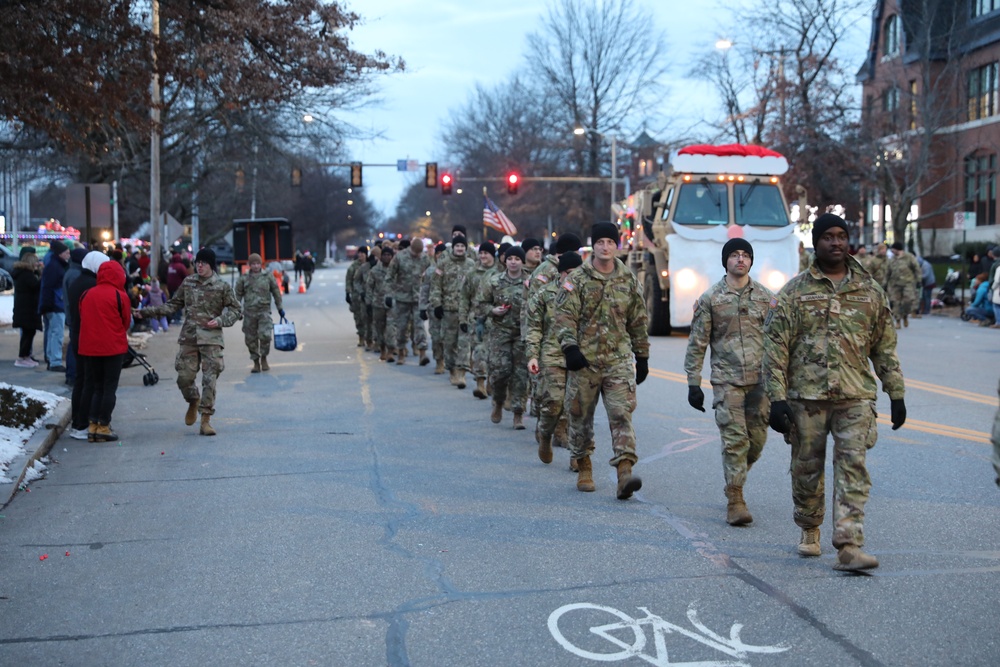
156 297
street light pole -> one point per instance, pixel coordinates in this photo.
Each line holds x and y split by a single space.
154 154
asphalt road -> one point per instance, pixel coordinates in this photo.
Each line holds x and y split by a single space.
352 512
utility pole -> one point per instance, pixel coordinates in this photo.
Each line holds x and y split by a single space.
154 154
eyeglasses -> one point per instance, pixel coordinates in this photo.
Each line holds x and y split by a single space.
739 254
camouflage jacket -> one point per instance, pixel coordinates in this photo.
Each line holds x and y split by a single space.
255 291
375 286
470 308
732 323
540 331
903 271
543 274
604 315
878 267
203 299
447 279
499 290
818 338
405 276
349 278
425 287
358 282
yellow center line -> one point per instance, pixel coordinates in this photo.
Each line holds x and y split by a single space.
948 391
911 424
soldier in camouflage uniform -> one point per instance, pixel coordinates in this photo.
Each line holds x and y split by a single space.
601 323
255 289
361 320
503 296
820 333
209 305
729 317
878 265
434 325
446 297
545 357
351 290
472 315
902 279
403 297
375 291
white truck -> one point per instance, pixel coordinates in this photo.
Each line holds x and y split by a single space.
674 231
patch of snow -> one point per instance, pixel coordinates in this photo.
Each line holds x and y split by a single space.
12 440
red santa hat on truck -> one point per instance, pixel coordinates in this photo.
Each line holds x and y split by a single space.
729 159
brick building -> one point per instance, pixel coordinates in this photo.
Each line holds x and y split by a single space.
931 80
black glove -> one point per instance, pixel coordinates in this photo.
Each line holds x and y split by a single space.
463 327
439 312
388 302
368 310
575 360
898 413
281 313
641 369
696 398
781 417
423 314
348 298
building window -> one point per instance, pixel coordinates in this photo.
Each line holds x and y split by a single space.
983 91
983 7
890 43
890 100
913 103
981 188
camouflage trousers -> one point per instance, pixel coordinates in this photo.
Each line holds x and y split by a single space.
189 359
436 329
257 328
550 398
903 299
454 342
616 385
379 326
852 425
362 323
741 415
508 367
479 340
405 314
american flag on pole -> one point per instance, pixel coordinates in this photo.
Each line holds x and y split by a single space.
495 218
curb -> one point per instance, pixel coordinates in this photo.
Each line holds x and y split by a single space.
39 445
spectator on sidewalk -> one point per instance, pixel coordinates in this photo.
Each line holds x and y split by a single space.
981 309
156 297
928 282
76 256
83 386
105 317
26 273
51 304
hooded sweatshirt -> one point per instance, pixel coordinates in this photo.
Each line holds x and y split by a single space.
87 279
105 314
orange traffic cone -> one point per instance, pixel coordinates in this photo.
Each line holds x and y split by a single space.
302 285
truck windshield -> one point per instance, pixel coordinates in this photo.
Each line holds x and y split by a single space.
702 203
760 205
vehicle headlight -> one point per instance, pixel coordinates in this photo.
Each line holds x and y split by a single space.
686 279
775 280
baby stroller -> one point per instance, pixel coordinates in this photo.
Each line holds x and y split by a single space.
947 293
131 356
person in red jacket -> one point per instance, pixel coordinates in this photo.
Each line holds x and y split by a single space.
105 315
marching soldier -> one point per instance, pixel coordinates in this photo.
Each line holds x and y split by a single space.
472 315
403 297
503 295
375 290
255 289
446 296
902 278
729 318
351 291
434 325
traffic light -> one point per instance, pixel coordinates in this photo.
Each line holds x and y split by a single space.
240 179
431 175
296 177
355 174
512 181
446 183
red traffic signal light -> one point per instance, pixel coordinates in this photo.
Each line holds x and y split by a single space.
446 183
512 182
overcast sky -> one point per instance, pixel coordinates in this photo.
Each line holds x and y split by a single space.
450 45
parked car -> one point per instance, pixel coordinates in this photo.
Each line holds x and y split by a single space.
6 281
7 257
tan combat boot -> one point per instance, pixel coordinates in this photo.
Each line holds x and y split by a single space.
518 420
627 482
454 377
480 390
809 544
263 364
424 359
544 447
104 434
206 428
906 320
390 354
460 374
497 413
256 366
382 354
91 431
573 465
584 475
439 369
192 412
361 341
737 513
401 356
851 559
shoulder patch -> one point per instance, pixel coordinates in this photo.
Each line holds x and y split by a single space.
774 302
542 277
814 297
858 298
439 272
567 285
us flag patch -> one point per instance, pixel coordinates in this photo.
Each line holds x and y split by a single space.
568 286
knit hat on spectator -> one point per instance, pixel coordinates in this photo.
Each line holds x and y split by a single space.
27 250
57 247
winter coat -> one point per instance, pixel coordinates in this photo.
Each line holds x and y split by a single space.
105 314
27 288
996 286
176 273
84 282
51 300
72 273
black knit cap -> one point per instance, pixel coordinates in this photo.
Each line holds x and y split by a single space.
459 228
440 248
206 255
404 244
566 242
604 230
825 222
529 243
569 260
515 251
387 250
27 250
732 245
364 249
487 246
459 239
897 246
504 247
